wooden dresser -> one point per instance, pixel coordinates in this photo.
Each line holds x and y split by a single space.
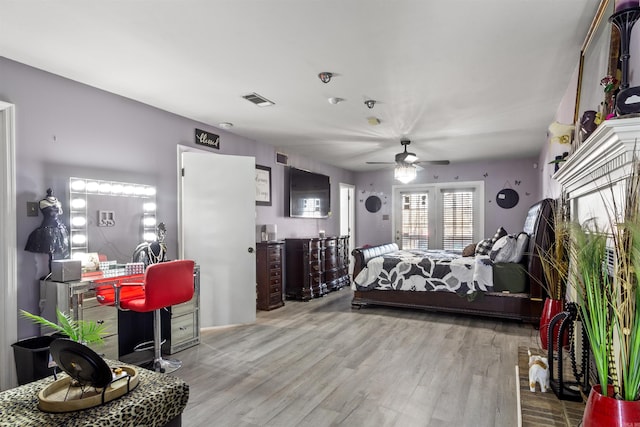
269 275
315 266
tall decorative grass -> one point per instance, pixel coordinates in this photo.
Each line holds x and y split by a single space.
555 259
610 302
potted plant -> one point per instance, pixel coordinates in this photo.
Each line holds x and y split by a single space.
555 266
32 355
82 331
609 307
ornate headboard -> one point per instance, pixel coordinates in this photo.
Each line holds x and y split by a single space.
539 226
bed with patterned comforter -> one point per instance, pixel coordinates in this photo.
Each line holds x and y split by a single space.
430 270
442 281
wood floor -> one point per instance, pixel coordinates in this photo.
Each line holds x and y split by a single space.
322 363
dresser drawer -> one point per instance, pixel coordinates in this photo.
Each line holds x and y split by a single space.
184 308
275 299
274 254
275 287
103 315
108 349
183 328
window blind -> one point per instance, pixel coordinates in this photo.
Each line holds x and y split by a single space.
415 220
457 218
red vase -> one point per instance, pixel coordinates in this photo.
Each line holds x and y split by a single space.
549 310
606 411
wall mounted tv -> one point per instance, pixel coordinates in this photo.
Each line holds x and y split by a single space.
309 194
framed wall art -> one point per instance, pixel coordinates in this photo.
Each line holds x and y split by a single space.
263 185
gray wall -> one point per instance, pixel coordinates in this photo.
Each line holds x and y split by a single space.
64 128
372 229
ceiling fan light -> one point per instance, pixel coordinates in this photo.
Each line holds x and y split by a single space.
410 158
405 173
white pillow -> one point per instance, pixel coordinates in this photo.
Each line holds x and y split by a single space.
505 249
521 246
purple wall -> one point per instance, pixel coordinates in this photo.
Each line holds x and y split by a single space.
64 128
372 229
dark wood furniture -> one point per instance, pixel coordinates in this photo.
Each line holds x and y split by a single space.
269 275
315 266
520 306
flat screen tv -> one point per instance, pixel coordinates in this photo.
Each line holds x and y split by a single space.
309 194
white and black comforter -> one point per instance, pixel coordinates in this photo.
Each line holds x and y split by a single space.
432 270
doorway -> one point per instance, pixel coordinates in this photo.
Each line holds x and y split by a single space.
347 217
8 250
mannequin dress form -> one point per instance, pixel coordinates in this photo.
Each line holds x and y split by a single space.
52 236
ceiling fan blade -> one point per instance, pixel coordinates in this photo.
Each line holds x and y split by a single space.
381 163
434 162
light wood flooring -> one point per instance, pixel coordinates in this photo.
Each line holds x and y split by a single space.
322 363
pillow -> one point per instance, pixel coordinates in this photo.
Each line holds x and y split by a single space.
504 250
483 247
500 233
521 246
469 250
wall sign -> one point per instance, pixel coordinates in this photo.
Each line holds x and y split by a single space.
209 139
263 185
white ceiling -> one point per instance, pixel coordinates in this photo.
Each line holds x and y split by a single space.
464 80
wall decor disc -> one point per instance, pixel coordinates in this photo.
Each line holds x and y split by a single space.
507 198
373 204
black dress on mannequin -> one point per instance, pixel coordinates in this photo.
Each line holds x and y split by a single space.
52 236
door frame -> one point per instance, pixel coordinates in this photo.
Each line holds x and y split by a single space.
349 209
9 250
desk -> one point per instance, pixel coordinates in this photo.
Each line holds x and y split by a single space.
181 328
158 400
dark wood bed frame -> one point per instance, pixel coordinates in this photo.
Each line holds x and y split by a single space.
525 307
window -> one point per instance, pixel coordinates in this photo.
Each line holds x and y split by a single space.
457 219
438 216
415 220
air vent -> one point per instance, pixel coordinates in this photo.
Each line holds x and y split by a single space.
259 100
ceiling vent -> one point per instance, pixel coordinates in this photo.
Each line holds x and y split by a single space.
259 100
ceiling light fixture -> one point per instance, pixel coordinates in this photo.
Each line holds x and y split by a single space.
405 172
325 76
335 100
370 103
226 125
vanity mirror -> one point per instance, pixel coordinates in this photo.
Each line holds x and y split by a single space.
110 218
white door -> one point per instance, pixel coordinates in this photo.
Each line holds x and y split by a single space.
218 232
347 217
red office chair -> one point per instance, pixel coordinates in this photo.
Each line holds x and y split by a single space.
165 284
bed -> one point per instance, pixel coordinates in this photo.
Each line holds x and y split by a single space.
450 282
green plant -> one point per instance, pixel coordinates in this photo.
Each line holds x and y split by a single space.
610 301
81 331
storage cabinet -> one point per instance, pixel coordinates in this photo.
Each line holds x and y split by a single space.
269 277
184 321
315 266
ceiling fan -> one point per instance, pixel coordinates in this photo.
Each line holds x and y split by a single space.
407 158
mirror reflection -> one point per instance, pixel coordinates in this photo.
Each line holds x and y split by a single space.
110 218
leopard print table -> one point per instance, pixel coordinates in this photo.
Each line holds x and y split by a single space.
157 399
